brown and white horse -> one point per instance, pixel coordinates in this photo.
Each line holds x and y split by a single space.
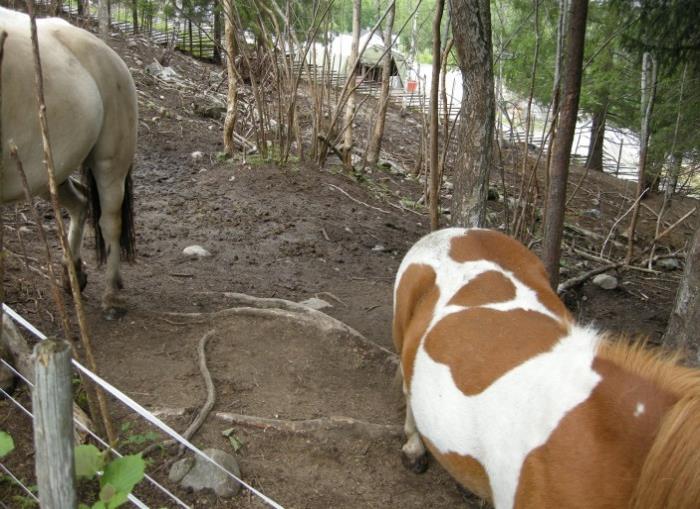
521 405
92 117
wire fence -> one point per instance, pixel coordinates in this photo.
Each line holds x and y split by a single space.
135 408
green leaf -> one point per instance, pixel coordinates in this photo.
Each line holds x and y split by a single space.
7 445
88 461
236 443
123 473
83 506
107 493
117 500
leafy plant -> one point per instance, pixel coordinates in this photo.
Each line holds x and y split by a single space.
117 477
7 445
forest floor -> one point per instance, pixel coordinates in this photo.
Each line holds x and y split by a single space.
292 232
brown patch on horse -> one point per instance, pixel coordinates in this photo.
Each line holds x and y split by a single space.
416 296
596 453
480 344
487 288
512 256
670 472
466 470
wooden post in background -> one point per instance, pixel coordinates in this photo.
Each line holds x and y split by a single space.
53 425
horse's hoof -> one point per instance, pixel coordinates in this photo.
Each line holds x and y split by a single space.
79 272
113 313
416 465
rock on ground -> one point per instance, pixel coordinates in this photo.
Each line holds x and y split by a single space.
197 474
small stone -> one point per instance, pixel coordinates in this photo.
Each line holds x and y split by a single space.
605 281
132 44
197 156
378 247
592 213
669 264
198 474
196 252
316 303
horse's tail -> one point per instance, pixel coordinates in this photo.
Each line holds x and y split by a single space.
670 473
127 239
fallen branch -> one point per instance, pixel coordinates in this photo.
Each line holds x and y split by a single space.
575 281
332 186
331 423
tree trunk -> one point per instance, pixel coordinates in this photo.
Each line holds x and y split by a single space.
649 74
434 189
643 177
217 35
594 161
135 15
471 29
684 324
231 54
559 170
375 142
352 71
103 18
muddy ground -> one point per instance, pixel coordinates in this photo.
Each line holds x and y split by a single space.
292 233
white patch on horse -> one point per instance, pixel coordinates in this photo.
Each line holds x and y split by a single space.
639 410
518 412
514 415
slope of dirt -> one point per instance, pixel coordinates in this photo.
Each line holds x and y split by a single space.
292 233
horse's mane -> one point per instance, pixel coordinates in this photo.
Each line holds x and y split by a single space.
670 476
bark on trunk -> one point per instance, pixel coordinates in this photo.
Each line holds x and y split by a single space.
135 15
375 142
231 53
350 105
684 324
471 28
559 170
644 179
594 161
216 56
434 190
103 18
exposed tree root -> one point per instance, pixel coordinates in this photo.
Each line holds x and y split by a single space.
331 423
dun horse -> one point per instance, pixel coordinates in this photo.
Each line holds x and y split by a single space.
92 117
521 405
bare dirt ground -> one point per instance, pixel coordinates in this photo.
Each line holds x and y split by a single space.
286 233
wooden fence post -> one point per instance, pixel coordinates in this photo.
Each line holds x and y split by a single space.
53 425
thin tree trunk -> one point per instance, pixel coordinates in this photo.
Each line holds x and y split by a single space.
135 15
471 29
559 171
350 104
643 178
684 324
375 142
676 157
231 54
594 161
103 18
434 189
216 56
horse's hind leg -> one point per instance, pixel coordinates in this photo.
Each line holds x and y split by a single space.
73 197
110 189
415 456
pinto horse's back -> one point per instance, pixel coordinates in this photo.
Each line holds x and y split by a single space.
521 405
